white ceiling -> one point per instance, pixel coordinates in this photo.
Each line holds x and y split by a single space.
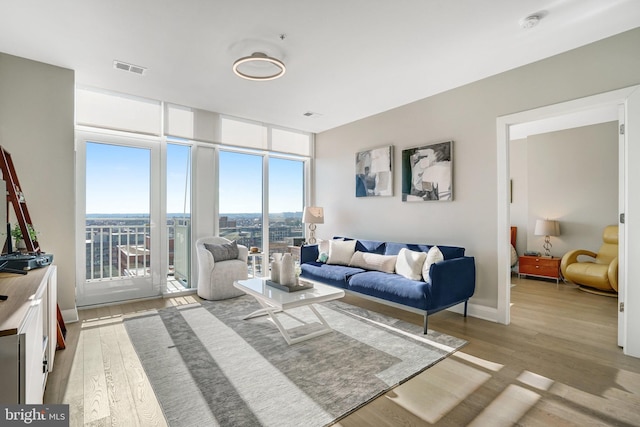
345 59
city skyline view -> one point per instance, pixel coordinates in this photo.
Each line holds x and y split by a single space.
118 181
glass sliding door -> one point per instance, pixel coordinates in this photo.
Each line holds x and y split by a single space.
178 217
120 239
286 202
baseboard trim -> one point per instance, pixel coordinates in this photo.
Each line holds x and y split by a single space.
479 311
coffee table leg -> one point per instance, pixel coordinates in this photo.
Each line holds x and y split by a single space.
265 310
272 311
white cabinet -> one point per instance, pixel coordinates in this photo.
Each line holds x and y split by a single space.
28 334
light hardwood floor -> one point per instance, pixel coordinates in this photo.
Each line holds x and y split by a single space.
556 364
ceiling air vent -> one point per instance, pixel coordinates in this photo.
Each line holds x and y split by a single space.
136 69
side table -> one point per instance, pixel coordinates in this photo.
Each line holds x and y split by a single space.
252 257
539 266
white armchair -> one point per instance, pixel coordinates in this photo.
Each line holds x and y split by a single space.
215 278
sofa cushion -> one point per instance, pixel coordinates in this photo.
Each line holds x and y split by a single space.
323 245
409 264
372 246
341 251
323 249
392 287
373 261
323 257
336 275
449 252
434 255
223 252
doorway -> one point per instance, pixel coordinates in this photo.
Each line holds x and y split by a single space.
628 102
118 211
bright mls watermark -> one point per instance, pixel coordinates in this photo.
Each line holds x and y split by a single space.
34 415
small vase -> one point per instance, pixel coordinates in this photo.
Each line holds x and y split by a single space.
287 270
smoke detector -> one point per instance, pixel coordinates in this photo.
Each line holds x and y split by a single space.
135 69
530 21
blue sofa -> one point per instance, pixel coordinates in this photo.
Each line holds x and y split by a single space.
450 282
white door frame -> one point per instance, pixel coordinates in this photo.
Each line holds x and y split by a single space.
616 98
122 289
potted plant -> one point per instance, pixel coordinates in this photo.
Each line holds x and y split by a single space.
17 235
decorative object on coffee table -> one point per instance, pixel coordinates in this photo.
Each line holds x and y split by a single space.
298 286
287 271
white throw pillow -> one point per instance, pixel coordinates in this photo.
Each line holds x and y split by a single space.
341 251
434 255
409 264
514 256
369 261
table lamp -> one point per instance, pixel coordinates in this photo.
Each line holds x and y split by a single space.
313 215
547 228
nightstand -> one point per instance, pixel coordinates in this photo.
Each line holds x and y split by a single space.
539 266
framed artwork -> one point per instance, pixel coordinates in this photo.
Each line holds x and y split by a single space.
427 173
374 172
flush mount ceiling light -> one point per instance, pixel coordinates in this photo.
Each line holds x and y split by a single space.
259 66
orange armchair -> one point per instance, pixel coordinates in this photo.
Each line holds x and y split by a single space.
601 272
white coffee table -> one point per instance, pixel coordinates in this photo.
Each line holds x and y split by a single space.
274 300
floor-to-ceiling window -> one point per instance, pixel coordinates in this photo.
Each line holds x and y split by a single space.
178 214
252 188
286 203
240 198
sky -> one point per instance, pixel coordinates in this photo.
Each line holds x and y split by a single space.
118 181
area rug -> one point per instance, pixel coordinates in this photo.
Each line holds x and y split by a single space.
208 366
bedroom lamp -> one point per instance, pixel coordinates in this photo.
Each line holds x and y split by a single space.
313 215
547 228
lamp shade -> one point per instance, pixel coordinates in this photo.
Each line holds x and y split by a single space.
313 215
547 227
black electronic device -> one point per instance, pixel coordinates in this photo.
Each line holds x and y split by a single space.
532 253
17 262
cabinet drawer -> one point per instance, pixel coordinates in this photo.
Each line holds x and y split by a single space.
538 266
542 270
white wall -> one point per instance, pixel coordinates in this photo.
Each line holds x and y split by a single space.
548 182
466 115
573 178
36 127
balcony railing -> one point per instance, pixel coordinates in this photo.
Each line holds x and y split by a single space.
123 251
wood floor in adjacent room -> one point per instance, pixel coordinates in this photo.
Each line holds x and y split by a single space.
556 364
